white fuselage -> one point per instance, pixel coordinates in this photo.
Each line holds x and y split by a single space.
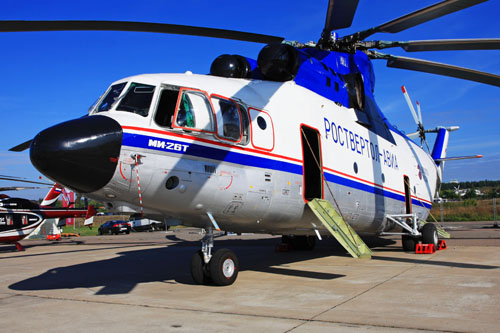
257 184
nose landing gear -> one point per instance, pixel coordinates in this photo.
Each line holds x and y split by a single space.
220 268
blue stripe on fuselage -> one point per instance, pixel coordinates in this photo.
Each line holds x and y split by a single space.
193 149
197 150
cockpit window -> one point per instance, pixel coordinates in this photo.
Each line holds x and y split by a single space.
166 106
111 97
228 119
194 111
137 99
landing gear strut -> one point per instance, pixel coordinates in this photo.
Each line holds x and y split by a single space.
220 268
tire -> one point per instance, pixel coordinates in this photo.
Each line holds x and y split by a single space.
409 243
99 232
199 271
429 234
224 267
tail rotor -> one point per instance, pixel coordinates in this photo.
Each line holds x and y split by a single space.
418 120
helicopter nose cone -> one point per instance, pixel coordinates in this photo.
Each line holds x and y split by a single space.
81 154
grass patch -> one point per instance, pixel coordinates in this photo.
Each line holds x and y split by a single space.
467 210
84 231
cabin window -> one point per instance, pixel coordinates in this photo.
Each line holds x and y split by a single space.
262 129
194 112
137 99
228 118
166 106
111 97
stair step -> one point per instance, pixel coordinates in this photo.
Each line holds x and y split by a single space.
339 228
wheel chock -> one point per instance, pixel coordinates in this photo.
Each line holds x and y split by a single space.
425 249
442 245
54 237
282 247
19 247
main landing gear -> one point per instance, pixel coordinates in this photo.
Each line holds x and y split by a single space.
429 235
414 231
220 268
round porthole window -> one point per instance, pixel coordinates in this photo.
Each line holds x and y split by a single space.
262 123
172 182
383 178
355 167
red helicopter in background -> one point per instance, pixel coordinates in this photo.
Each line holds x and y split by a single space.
20 217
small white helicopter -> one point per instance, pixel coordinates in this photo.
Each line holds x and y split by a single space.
292 143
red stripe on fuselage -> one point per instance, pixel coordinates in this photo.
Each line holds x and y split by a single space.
184 136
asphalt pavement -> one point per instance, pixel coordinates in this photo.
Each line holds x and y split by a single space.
141 282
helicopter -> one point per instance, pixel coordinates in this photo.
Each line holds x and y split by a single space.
253 146
19 217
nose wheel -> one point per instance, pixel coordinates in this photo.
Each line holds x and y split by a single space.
221 268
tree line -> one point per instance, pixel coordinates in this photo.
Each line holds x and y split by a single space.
489 188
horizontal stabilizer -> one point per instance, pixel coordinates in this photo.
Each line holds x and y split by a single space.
89 221
457 158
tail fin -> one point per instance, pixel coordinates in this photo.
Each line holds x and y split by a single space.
441 145
51 197
89 218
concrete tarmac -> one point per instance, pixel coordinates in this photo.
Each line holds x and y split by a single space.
141 282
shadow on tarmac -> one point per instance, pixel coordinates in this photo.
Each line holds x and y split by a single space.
121 274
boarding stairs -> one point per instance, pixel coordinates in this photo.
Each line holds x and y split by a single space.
338 227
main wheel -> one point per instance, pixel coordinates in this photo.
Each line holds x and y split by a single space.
429 234
409 243
199 269
224 267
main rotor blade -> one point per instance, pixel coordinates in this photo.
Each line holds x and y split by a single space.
440 44
22 147
426 14
417 17
24 181
452 44
16 26
438 68
14 188
340 14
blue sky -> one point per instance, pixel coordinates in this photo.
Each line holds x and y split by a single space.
50 77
